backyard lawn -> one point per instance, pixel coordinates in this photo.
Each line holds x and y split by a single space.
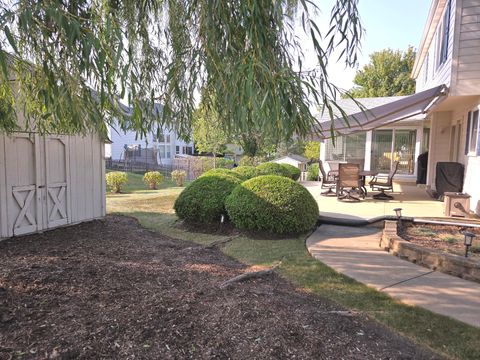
446 336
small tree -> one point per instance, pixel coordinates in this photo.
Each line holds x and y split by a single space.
152 179
116 179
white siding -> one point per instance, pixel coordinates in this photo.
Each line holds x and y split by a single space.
438 74
3 195
466 73
439 149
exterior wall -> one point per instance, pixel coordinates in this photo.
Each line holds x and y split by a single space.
431 74
120 139
439 149
63 175
466 72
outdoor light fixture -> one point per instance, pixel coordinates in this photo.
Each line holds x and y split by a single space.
222 219
398 212
468 241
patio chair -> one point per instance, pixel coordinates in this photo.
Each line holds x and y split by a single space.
382 183
328 180
349 182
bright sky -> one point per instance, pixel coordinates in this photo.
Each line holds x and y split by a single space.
388 24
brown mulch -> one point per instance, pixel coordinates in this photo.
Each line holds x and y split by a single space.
111 289
445 238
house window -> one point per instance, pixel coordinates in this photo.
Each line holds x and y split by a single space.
164 138
187 150
177 149
444 33
472 132
425 74
350 148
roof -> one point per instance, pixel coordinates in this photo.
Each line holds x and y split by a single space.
389 111
298 158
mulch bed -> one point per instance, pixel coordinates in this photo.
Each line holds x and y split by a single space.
111 289
446 238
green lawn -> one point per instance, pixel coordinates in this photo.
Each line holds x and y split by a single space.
456 340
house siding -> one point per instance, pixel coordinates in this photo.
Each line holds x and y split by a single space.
466 72
438 74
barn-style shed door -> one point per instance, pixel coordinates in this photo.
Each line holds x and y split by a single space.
37 181
56 180
23 183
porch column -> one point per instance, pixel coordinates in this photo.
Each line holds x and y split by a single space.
368 150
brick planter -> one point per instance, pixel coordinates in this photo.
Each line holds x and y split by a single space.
430 258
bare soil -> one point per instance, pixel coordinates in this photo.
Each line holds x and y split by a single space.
446 238
111 289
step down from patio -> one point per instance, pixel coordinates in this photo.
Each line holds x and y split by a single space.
354 251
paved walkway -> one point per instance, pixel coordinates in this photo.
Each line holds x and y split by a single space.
354 251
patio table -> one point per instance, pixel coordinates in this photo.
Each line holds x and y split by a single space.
363 174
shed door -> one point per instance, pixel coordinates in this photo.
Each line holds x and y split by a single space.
56 178
24 212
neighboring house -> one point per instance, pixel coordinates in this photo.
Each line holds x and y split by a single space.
234 152
447 73
162 149
49 181
295 160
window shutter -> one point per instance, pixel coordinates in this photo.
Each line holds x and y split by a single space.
467 137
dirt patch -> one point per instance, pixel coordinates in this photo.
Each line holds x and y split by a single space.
111 289
446 238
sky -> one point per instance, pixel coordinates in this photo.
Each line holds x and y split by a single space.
388 24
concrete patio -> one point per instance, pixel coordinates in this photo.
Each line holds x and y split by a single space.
412 199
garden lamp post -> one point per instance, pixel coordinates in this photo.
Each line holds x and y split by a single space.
468 241
398 212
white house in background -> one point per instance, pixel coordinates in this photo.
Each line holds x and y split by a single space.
49 181
447 74
296 160
165 147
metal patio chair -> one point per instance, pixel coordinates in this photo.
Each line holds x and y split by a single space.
382 183
328 180
349 183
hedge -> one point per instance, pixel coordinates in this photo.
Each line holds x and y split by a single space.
222 171
246 171
271 168
273 204
293 171
203 200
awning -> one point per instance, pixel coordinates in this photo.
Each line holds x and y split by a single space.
369 119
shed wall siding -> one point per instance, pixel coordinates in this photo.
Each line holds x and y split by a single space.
26 166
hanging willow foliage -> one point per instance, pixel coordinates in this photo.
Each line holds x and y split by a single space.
66 63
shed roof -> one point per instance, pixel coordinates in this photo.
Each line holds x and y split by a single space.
298 158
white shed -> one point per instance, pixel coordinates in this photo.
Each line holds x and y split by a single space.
295 160
49 181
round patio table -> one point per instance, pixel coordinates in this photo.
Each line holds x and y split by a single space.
363 174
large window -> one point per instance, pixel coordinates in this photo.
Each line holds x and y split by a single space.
349 148
472 133
389 146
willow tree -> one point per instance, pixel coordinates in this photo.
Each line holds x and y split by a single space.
66 63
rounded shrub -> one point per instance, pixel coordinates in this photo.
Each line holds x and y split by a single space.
179 177
152 179
246 171
115 180
203 201
271 168
272 203
222 171
293 171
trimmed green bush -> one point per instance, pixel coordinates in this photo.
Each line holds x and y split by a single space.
246 171
313 172
152 179
271 168
293 171
222 171
272 203
203 201
115 180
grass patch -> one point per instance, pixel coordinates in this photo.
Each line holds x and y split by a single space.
442 334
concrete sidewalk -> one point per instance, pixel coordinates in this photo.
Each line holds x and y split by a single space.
354 251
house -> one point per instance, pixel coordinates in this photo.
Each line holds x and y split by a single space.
162 149
447 74
49 181
295 160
